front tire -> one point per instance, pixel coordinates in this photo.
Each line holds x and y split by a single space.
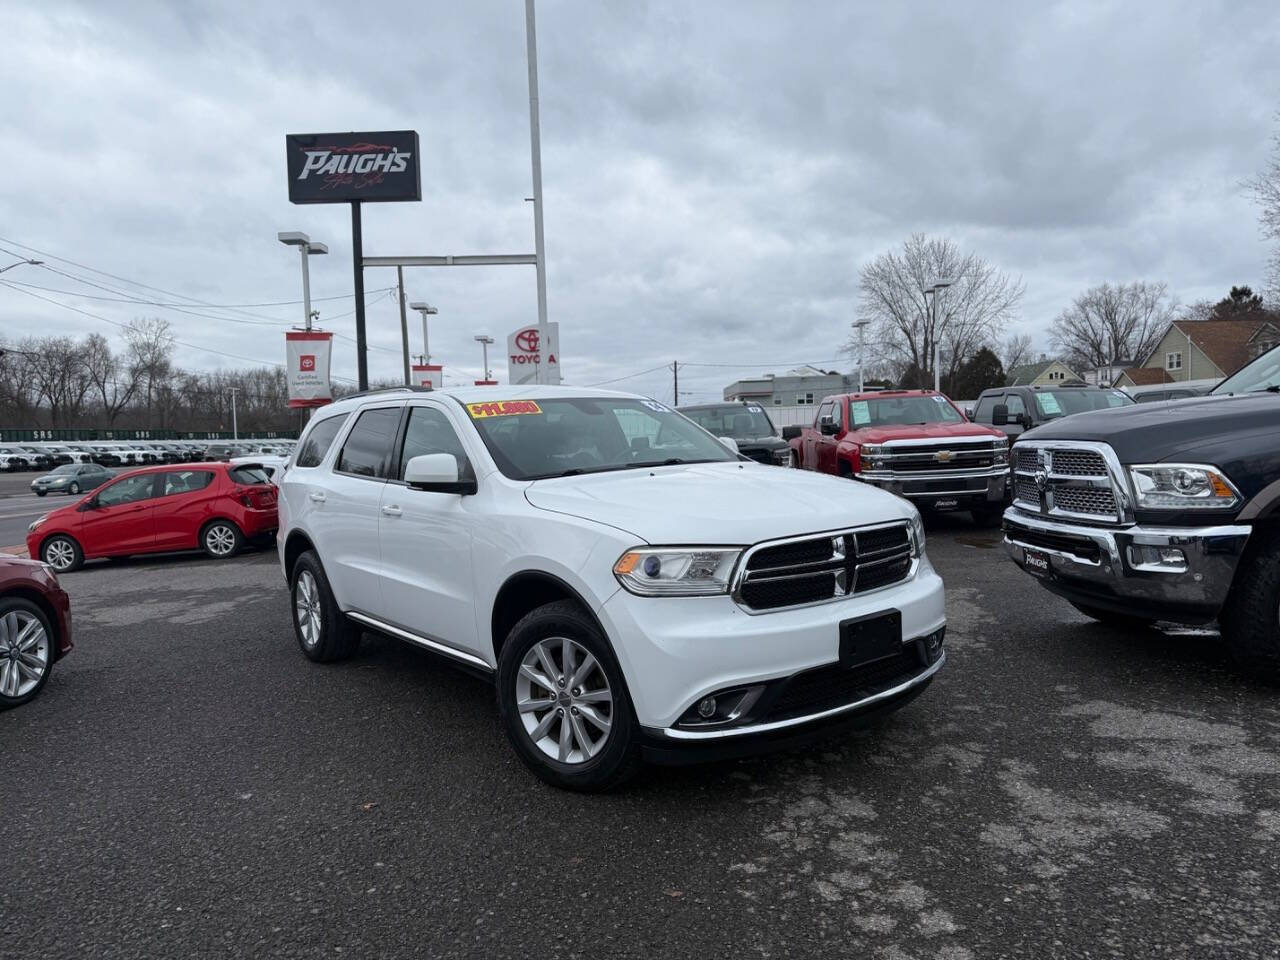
1120 621
1250 620
563 702
26 651
221 539
41 493
73 488
62 553
324 633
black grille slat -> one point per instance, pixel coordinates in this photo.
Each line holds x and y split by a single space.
790 554
873 575
833 686
884 538
770 594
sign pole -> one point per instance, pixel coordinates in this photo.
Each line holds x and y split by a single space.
404 323
535 149
357 263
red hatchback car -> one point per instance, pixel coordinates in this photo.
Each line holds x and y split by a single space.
216 507
35 628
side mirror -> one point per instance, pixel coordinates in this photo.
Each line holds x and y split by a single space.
90 504
1000 414
792 433
968 412
1024 420
828 426
731 443
437 473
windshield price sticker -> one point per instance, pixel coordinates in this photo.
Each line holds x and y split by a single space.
655 406
502 408
1048 403
940 398
861 412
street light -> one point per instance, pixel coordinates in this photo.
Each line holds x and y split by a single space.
937 372
426 310
484 341
306 248
30 263
860 325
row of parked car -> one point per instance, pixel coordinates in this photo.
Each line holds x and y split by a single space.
132 453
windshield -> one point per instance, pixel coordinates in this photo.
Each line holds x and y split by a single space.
888 411
68 468
1263 373
733 420
556 437
1060 403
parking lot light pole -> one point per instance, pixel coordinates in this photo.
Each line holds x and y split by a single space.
426 310
937 353
306 249
484 341
860 326
235 429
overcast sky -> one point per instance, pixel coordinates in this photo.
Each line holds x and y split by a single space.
714 173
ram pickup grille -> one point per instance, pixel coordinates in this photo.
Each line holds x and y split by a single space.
820 568
1074 480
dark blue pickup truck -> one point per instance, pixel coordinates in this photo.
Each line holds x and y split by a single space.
1162 511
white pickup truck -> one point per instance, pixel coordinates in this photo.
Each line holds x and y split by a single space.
634 589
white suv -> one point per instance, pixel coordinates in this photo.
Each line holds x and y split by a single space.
635 590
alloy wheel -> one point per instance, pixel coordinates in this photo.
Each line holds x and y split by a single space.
306 605
74 488
24 653
564 699
59 554
220 539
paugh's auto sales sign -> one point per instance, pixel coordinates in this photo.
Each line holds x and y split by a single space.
306 356
339 167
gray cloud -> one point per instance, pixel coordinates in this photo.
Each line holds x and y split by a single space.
715 173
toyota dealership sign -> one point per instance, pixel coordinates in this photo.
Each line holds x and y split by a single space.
526 352
341 167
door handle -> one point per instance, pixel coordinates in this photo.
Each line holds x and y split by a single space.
316 496
391 510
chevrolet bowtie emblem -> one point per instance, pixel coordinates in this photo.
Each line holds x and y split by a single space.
944 456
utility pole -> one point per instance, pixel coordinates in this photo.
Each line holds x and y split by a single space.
535 149
235 429
404 323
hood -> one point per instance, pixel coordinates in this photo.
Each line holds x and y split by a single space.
733 503
926 431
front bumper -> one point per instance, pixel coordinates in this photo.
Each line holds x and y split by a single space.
1106 567
952 490
675 651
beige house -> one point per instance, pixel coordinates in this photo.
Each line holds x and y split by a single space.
1202 350
1045 373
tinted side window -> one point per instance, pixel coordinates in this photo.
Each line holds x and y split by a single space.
128 490
186 481
429 431
368 446
982 412
319 440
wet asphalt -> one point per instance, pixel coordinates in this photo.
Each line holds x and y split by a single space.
188 785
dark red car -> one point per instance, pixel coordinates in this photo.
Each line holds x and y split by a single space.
35 628
216 507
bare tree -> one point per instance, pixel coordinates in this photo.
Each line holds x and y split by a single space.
56 368
150 350
1016 351
1265 189
1107 323
113 384
969 315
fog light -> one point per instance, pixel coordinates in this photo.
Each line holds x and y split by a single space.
707 707
1171 558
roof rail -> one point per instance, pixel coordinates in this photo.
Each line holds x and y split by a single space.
413 388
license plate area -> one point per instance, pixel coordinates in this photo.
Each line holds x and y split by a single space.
869 638
1036 563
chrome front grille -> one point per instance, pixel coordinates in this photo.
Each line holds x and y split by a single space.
1069 479
817 569
934 457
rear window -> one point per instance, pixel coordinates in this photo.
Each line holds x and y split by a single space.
318 441
249 474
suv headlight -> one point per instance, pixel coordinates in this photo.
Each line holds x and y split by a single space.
916 529
677 572
1164 486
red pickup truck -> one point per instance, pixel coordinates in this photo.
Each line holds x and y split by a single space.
914 443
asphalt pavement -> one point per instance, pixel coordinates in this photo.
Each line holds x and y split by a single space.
19 506
188 785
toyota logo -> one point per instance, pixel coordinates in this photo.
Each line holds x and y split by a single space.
527 340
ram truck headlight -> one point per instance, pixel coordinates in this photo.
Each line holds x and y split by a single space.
1177 486
677 572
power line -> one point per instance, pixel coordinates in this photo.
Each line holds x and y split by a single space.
221 306
629 376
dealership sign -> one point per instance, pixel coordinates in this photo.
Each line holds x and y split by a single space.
307 365
429 375
341 167
525 353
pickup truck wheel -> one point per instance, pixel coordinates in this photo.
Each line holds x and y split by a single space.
323 631
563 702
1121 620
1250 620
